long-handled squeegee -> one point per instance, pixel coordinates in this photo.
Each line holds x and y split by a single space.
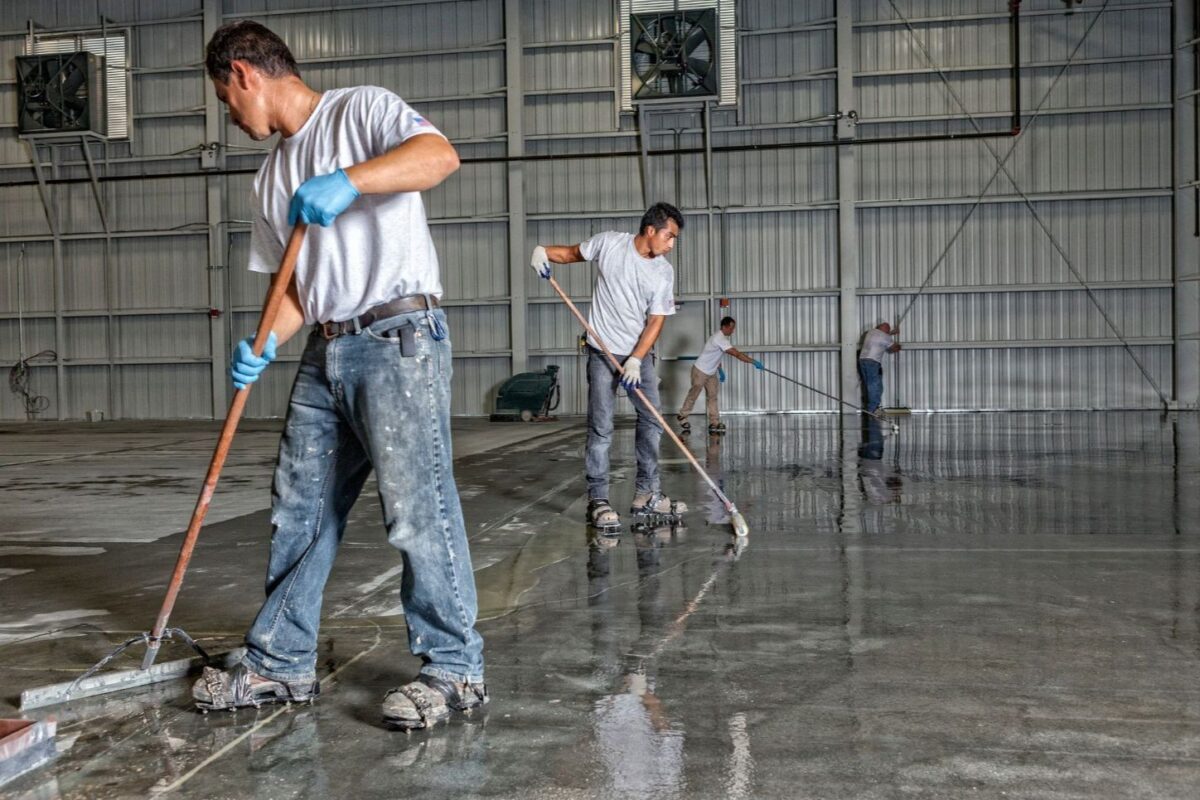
91 683
735 517
876 416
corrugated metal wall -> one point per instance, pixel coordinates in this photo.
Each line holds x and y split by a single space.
1002 324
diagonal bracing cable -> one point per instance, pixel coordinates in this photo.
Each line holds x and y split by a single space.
1001 167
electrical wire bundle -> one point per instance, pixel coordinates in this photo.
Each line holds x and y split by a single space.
18 383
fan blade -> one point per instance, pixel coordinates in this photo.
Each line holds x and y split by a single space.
648 47
700 67
648 78
695 37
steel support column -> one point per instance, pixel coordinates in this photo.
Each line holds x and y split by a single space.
517 253
1186 244
213 157
848 265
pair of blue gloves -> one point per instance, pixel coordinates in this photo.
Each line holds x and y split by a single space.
318 201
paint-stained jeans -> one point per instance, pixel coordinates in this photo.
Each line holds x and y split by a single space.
603 382
358 403
871 372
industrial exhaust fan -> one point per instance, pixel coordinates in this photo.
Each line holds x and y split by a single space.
674 54
60 93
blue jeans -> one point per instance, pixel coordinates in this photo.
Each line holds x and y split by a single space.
871 372
358 404
603 381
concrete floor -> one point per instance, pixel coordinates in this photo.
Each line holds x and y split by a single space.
1001 605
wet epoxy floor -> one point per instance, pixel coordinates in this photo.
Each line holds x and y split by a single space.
1000 605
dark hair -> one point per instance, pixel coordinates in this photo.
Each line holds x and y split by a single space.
657 215
246 40
728 321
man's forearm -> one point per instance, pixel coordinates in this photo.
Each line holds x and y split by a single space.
650 333
417 165
290 317
740 356
564 254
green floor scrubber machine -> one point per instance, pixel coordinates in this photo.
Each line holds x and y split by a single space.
528 396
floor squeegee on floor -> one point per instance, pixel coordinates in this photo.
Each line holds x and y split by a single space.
94 681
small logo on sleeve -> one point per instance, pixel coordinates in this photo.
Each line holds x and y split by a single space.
419 120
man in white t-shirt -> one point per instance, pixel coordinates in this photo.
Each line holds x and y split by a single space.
876 342
704 376
373 387
634 294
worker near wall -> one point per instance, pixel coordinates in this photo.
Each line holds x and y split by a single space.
633 296
875 343
705 376
373 386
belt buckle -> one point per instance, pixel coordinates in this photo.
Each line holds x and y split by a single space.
331 330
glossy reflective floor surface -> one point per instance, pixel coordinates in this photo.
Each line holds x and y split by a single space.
1001 605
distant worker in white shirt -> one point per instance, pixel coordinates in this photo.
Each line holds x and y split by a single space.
634 295
704 377
875 343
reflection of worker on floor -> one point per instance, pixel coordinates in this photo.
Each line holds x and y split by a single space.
880 485
705 377
877 341
643 754
715 512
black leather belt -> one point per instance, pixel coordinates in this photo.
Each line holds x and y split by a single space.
401 305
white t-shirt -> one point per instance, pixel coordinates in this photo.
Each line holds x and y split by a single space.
628 288
710 356
376 250
875 344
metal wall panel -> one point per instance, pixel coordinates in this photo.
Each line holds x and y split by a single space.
87 338
88 389
1028 378
1027 317
417 78
41 383
156 391
782 251
478 329
474 384
39 335
473 260
1099 172
352 32
569 67
566 20
783 321
1107 240
759 14
751 390
596 185
26 277
1075 153
578 112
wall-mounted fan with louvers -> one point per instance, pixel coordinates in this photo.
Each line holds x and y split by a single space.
59 93
674 54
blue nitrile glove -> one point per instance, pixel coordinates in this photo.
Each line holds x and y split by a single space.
245 367
757 364
321 198
631 373
721 374
540 262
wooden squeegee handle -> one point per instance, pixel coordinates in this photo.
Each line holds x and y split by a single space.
279 287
